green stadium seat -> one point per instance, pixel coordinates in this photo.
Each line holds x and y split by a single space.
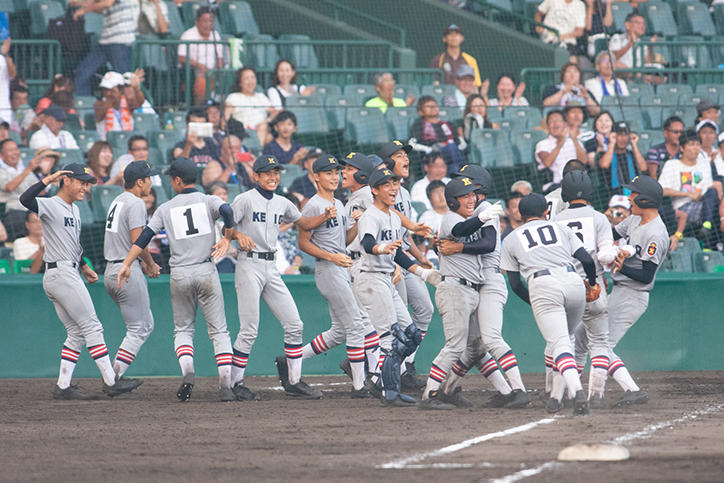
709 91
15 136
70 156
359 93
681 262
323 90
146 123
633 117
336 109
640 89
7 6
399 120
524 145
101 198
691 246
301 54
119 139
175 23
695 19
659 18
93 26
86 213
686 100
26 154
86 139
651 107
263 54
620 10
155 158
290 173
708 261
531 115
404 90
164 141
41 11
439 91
237 18
654 136
695 55
153 56
5 267
491 148
234 190
252 143
22 266
419 207
671 92
510 125
687 114
178 120
310 114
72 123
451 114
366 126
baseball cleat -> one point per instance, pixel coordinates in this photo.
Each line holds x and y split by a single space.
498 400
226 394
302 389
283 371
396 402
434 403
374 389
580 403
632 397
361 393
346 367
121 386
408 379
69 393
243 393
596 401
554 405
184 392
455 398
518 399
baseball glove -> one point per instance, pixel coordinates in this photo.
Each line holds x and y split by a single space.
592 293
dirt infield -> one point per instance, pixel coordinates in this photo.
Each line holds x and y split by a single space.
150 436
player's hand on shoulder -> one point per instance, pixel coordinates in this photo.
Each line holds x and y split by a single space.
88 273
341 260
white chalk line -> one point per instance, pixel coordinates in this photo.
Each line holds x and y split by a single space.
406 462
623 439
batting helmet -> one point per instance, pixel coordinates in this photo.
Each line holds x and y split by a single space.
532 205
651 194
576 185
479 175
363 165
458 187
390 148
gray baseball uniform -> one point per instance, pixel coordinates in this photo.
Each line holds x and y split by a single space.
358 200
188 219
125 213
555 203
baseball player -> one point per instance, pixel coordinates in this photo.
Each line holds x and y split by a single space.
125 219
413 290
63 257
634 272
188 219
543 252
327 242
594 231
556 204
380 234
258 214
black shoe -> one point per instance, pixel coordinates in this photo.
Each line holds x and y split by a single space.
596 401
408 379
121 386
372 387
554 405
69 393
519 399
632 397
226 394
498 400
580 403
455 398
184 392
362 393
434 403
243 393
283 371
346 367
302 390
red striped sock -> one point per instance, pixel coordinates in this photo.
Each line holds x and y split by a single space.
508 361
487 368
125 356
380 360
224 359
616 364
239 359
356 354
599 362
549 361
318 345
69 355
293 351
372 340
459 369
564 362
98 351
184 350
437 374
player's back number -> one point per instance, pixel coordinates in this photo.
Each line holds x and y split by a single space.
190 221
543 235
114 213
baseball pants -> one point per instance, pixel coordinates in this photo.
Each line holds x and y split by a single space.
64 287
347 316
593 332
191 286
256 279
413 292
382 303
492 297
456 303
132 298
625 307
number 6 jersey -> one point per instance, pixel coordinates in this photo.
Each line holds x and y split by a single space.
189 222
538 245
591 227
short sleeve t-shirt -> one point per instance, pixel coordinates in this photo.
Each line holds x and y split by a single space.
682 177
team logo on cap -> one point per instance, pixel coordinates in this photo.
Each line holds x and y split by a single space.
271 160
387 172
398 143
466 181
351 155
634 180
651 250
86 170
464 168
332 160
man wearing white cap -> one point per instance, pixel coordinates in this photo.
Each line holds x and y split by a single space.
619 208
114 112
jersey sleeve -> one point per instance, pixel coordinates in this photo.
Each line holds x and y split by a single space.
137 215
622 228
156 223
239 207
368 224
656 246
213 203
603 229
508 261
311 209
291 212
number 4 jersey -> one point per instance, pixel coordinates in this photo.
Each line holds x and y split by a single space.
538 245
591 227
189 222
125 213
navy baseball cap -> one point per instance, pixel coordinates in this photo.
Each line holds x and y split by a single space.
137 170
79 172
621 127
375 160
381 176
56 111
532 205
452 28
265 163
464 70
325 162
390 148
182 167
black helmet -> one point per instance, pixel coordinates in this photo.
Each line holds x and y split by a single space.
532 205
458 187
651 194
479 175
576 185
363 165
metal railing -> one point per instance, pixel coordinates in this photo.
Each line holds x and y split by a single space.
682 53
521 21
37 62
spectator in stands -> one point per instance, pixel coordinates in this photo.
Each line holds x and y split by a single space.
435 169
688 181
51 134
604 84
707 109
706 130
575 116
465 83
568 17
114 46
286 149
521 186
3 233
152 18
251 108
4 130
100 164
202 150
619 164
213 114
30 247
597 22
717 172
553 152
23 116
619 208
202 57
113 111
291 257
234 167
570 90
514 219
599 142
429 132
304 186
475 116
385 87
622 45
137 151
453 57
227 264
59 83
436 205
509 95
284 84
8 71
158 247
669 149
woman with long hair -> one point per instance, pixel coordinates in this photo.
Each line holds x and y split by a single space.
249 107
100 162
475 116
284 84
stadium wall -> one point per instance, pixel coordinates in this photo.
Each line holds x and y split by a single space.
681 330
